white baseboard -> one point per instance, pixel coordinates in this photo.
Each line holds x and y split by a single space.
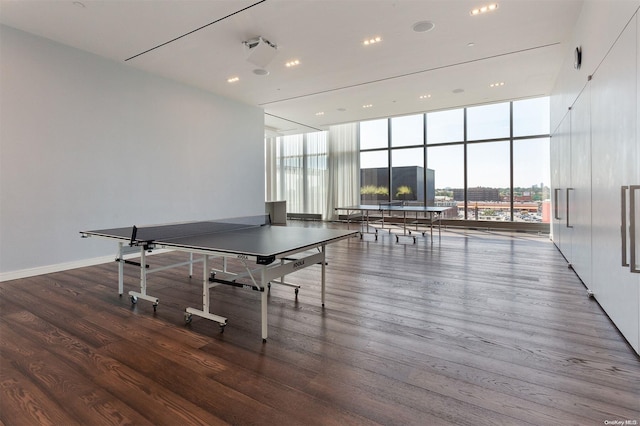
59 267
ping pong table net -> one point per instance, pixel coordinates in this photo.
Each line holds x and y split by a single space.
146 235
383 204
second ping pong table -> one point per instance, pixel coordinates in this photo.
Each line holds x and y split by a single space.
267 254
432 215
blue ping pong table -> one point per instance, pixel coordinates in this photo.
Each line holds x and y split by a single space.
267 254
431 215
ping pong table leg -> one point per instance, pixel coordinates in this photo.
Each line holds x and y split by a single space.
263 303
404 222
143 271
205 312
324 268
143 283
431 223
205 284
120 269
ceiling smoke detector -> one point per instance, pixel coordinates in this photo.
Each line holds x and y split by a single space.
260 51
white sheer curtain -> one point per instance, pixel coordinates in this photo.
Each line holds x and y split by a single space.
296 168
343 183
314 172
291 172
271 168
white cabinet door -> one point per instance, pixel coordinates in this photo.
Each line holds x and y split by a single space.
579 193
561 181
555 160
634 244
614 115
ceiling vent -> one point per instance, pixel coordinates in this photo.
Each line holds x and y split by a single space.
260 52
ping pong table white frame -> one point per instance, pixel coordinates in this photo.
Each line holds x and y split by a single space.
435 216
260 276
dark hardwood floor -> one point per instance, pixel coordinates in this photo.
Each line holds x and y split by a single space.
478 329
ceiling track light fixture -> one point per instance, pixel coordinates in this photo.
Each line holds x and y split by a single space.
484 9
372 40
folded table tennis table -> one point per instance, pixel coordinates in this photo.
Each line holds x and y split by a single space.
434 214
267 254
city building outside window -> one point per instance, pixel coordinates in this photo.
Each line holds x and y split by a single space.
487 162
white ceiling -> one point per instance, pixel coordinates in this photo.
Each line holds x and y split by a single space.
523 44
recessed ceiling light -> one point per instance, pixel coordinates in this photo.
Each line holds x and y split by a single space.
260 71
292 63
484 9
320 113
423 26
497 84
367 106
471 44
425 96
233 79
373 40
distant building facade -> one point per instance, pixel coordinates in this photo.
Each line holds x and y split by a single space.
374 184
477 194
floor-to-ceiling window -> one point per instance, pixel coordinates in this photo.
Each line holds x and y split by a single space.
407 158
374 161
531 166
488 162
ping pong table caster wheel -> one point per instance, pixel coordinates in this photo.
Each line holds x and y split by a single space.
155 306
134 300
188 318
296 291
222 326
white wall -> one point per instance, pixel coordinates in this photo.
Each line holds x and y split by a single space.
597 29
88 143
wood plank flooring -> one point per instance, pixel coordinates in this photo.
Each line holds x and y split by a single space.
477 329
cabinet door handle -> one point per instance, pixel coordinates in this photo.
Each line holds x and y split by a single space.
555 203
623 223
632 228
568 225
